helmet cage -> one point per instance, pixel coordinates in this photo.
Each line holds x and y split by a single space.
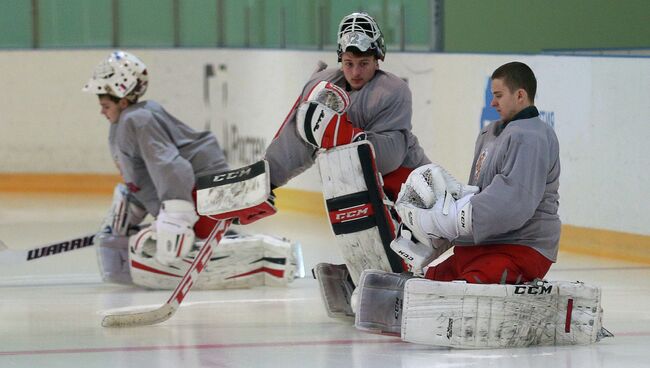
121 75
359 30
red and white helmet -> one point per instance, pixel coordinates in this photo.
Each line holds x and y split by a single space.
121 75
361 31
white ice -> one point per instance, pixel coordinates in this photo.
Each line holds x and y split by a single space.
50 309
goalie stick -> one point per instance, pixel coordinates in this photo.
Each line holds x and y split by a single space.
9 257
170 307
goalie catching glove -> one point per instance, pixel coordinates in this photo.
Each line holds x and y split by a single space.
322 120
174 231
432 204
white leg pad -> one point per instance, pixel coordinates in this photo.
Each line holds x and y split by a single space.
336 289
239 262
379 302
461 315
354 197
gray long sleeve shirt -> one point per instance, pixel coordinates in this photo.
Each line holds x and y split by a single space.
159 156
517 167
382 108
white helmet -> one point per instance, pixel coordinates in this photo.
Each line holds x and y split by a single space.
361 31
121 75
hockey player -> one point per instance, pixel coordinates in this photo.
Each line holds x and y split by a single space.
506 238
158 157
355 121
509 232
379 110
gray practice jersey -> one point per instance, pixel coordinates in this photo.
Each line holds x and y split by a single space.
382 108
159 156
517 167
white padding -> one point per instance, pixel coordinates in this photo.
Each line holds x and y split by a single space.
379 304
113 257
238 262
461 315
342 175
233 190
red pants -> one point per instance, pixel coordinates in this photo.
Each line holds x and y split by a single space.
393 181
491 264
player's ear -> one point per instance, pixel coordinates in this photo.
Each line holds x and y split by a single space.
123 103
522 95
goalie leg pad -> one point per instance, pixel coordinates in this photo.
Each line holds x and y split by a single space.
124 214
237 262
113 258
354 198
461 315
379 305
336 289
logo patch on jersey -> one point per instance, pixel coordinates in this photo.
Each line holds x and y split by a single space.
479 166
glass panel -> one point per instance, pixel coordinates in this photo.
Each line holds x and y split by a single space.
198 23
16 24
302 24
146 23
75 23
235 25
417 23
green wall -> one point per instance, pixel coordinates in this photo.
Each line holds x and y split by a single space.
528 26
531 26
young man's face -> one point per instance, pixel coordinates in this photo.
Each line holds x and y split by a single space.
358 70
110 109
507 103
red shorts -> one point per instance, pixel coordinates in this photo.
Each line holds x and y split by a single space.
491 264
393 181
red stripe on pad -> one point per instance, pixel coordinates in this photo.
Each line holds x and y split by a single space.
569 310
276 273
144 267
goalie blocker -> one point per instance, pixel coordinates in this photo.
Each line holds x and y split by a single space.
470 316
242 194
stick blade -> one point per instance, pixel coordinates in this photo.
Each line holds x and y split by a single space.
151 317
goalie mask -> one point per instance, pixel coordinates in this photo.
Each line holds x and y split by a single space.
359 30
121 75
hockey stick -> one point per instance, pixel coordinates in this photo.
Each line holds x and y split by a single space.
170 307
8 256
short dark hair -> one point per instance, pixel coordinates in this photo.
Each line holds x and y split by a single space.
115 99
358 53
517 75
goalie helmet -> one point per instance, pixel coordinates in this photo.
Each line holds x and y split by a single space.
121 75
360 30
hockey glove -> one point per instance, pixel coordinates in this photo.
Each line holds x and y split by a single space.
322 119
447 219
323 127
432 181
174 231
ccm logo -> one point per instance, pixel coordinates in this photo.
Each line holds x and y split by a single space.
532 289
350 213
232 175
